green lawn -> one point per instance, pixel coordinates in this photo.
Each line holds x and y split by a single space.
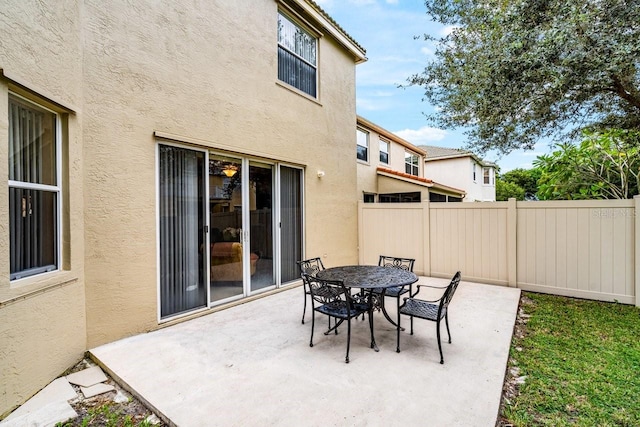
580 363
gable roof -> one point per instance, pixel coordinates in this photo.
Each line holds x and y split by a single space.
442 153
329 24
425 182
361 121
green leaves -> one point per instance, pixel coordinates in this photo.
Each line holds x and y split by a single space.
517 71
605 165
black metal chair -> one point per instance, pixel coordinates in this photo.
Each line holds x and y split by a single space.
332 298
395 291
311 267
434 310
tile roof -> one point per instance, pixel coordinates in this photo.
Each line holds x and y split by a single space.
404 175
320 10
435 153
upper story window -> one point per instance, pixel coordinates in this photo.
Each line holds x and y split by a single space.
34 189
384 151
486 174
411 163
297 63
362 139
473 172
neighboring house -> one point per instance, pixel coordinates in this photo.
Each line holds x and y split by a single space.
391 169
162 159
462 169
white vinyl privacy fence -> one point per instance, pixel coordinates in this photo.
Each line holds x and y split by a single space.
586 249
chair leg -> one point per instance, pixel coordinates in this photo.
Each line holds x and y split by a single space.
348 338
304 310
370 314
313 323
398 333
411 325
439 344
398 326
446 321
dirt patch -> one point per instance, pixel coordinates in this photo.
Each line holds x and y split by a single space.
114 408
512 378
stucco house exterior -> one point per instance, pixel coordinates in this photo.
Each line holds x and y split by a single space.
391 169
162 160
462 169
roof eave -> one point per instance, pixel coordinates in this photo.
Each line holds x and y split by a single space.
390 135
321 17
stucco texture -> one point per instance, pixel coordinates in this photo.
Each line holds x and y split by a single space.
42 318
207 72
119 74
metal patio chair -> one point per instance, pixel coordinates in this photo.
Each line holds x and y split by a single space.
311 267
333 299
395 291
434 310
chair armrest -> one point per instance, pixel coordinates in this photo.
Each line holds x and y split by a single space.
427 286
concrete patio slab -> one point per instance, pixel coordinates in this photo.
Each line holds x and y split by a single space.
96 389
50 399
251 365
46 415
87 377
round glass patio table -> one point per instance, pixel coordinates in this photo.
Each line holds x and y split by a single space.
370 277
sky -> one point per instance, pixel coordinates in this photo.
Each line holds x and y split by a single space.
387 29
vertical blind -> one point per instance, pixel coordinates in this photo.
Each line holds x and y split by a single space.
291 220
296 56
182 284
33 191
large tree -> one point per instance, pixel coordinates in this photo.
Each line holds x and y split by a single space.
527 179
514 71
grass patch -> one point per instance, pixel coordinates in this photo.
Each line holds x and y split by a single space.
578 362
107 414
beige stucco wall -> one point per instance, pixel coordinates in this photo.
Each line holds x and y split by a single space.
207 72
457 173
368 181
42 319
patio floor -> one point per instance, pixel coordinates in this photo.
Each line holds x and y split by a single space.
251 365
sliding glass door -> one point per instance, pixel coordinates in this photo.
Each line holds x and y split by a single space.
290 223
261 269
226 239
229 227
182 228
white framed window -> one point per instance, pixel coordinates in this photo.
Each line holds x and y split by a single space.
362 145
384 151
486 176
411 163
473 172
34 188
297 56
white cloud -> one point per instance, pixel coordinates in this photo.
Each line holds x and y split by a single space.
383 93
365 104
447 30
423 136
392 1
362 2
426 51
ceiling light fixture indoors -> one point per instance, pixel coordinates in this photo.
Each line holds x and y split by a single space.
230 170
